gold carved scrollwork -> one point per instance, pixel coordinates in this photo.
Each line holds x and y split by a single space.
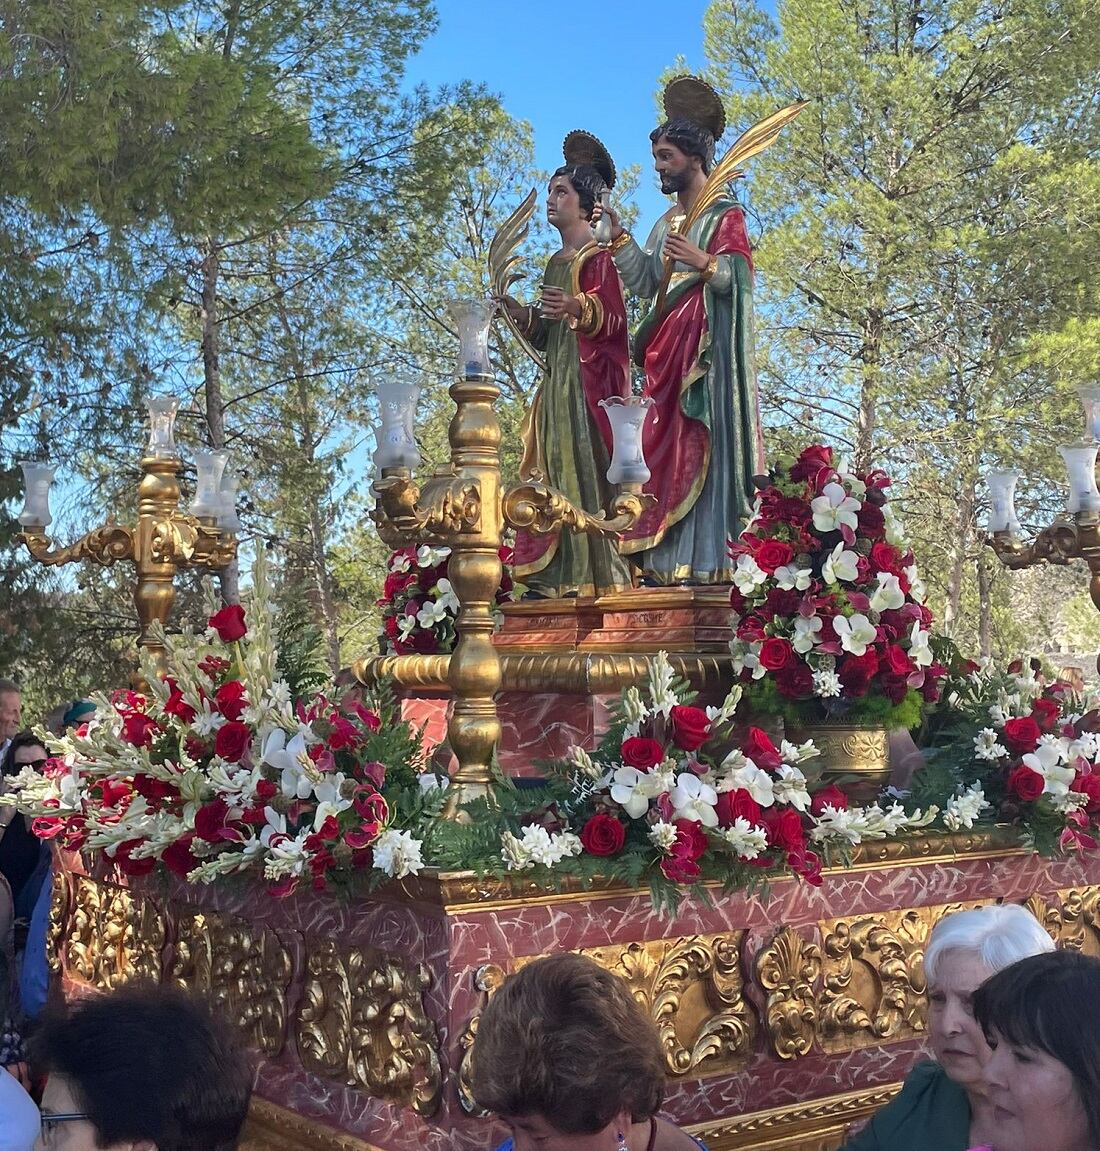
486 979
787 969
362 1019
1080 929
55 925
692 988
242 968
1048 915
113 935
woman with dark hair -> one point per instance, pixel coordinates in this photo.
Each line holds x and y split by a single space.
580 329
21 853
568 1059
1041 1019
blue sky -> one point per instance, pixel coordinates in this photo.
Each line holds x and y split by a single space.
597 71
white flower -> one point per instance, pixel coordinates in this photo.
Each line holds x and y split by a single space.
429 557
789 786
723 714
430 782
747 655
806 633
888 596
661 677
400 563
791 578
754 780
445 594
793 754
1046 759
841 564
397 853
919 651
630 789
633 708
206 721
834 508
748 575
536 845
827 684
834 823
662 835
583 762
854 633
330 801
693 799
852 482
434 611
298 772
746 839
895 533
986 745
406 625
963 809
916 585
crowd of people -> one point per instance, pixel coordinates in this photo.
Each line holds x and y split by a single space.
564 1054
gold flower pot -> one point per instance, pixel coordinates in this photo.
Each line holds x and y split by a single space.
856 758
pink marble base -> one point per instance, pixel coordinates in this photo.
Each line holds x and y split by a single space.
454 928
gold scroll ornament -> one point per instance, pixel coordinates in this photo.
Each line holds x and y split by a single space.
787 969
113 936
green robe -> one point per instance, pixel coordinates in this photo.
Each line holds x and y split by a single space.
930 1113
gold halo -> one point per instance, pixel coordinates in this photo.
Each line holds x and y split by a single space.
581 147
690 98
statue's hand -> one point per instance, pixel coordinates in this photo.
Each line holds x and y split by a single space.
514 308
616 226
556 304
683 251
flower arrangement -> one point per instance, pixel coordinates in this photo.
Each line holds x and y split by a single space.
215 771
828 614
1019 753
419 606
675 796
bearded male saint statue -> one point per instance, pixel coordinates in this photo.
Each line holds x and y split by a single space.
580 328
704 443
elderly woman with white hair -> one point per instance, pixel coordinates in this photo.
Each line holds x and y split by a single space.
943 1105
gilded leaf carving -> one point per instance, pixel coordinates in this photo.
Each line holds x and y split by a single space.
787 969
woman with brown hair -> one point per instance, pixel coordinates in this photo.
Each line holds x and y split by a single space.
571 1062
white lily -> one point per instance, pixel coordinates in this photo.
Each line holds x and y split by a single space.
748 575
330 801
888 596
792 578
841 564
754 780
834 508
445 594
298 773
429 557
1046 759
855 632
630 789
693 799
919 651
807 632
434 611
916 585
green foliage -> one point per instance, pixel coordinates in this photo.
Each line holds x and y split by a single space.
301 649
764 699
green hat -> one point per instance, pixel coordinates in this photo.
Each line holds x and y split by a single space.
81 710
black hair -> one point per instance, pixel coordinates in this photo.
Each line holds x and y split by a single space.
150 1063
587 183
689 137
1051 1002
22 739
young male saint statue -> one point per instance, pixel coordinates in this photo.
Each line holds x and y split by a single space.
580 327
703 443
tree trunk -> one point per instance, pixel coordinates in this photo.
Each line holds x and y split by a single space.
960 547
867 417
229 577
985 606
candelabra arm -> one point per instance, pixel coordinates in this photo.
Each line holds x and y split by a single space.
538 508
448 505
103 545
185 541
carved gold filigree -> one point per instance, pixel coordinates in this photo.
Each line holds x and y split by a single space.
787 969
486 979
1049 915
113 936
362 1019
1080 919
274 1128
241 968
58 918
873 977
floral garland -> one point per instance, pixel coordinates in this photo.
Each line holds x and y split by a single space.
215 771
419 606
828 613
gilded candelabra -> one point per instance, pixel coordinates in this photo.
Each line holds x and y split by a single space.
462 506
164 540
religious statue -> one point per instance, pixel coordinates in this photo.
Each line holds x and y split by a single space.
579 330
696 345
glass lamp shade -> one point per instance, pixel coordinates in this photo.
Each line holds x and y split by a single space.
37 479
1090 400
397 399
1002 495
627 417
227 501
472 318
207 503
162 427
1080 462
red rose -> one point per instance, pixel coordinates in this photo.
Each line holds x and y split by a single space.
1025 783
211 822
894 687
872 523
781 603
175 704
232 741
857 671
1045 712
155 790
811 461
784 826
139 729
776 652
737 804
759 748
642 753
896 661
396 582
831 796
795 681
773 554
1021 735
737 601
690 727
229 623
603 834
1088 784
691 842
178 857
230 699
127 864
885 558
